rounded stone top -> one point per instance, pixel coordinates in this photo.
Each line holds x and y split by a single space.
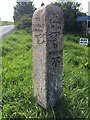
48 8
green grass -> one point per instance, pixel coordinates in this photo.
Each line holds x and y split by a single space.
2 23
18 100
0 115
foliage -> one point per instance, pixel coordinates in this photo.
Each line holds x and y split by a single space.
71 11
2 23
89 38
24 22
23 14
18 99
23 8
72 37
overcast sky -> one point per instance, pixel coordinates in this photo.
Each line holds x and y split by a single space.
6 7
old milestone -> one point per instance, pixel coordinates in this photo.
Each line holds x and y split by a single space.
47 28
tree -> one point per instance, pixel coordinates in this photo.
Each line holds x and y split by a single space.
71 12
23 15
23 8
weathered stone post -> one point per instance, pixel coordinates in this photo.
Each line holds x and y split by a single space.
47 28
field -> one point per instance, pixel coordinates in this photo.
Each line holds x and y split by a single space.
2 23
17 88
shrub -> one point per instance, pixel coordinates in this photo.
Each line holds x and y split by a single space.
23 22
72 38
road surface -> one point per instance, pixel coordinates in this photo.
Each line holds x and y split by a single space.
4 30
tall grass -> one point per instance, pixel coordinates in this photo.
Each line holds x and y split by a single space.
18 99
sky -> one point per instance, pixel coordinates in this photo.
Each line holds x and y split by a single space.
6 7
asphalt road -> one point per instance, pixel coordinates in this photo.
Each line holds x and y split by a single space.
5 30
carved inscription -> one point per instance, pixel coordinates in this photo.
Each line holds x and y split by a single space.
40 38
56 26
38 30
37 19
54 52
54 38
56 61
55 45
55 21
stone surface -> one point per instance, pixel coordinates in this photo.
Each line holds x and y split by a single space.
47 28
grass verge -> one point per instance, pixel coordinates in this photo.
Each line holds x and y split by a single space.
3 23
18 100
